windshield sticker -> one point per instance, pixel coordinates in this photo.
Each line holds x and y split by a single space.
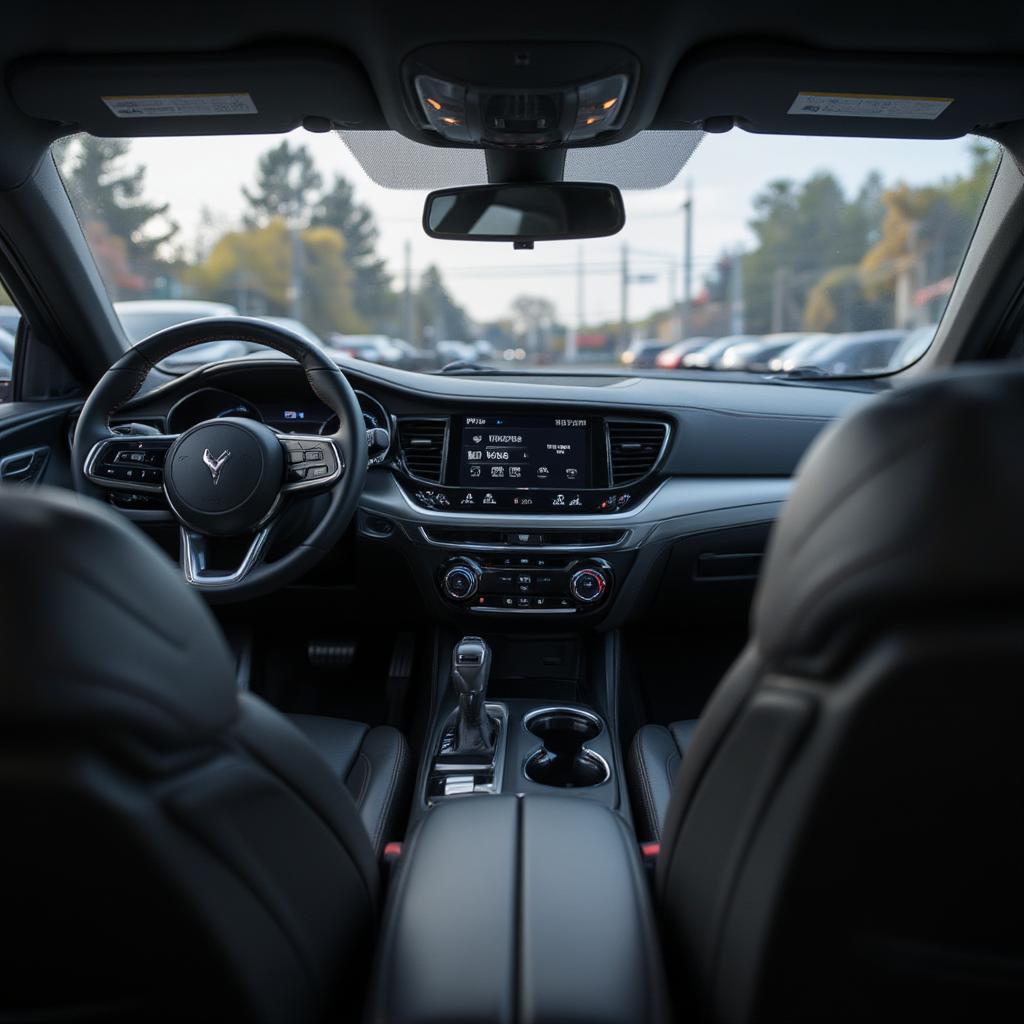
852 104
210 104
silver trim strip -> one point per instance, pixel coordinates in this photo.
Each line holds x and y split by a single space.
193 558
553 520
547 549
524 611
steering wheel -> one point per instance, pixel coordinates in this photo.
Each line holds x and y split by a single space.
228 480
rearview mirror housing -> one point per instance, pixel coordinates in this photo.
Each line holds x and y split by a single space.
524 213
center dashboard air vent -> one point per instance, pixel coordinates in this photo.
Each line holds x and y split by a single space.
423 443
634 447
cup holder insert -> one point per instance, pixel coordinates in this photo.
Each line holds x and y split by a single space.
564 761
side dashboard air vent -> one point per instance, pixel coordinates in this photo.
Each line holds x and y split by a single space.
423 443
634 447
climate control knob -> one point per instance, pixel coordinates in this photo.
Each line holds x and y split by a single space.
460 582
588 585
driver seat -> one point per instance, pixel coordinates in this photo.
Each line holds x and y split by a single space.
173 849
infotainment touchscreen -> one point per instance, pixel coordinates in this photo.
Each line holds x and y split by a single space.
524 451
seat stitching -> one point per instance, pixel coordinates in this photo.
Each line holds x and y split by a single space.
389 792
647 795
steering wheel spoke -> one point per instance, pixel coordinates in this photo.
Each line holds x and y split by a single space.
129 463
312 463
198 563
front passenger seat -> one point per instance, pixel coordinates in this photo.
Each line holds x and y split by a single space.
172 850
842 841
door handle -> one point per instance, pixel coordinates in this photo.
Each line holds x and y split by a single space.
24 467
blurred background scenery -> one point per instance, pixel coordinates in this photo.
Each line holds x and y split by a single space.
796 256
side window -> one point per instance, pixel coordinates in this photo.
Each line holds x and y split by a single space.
9 319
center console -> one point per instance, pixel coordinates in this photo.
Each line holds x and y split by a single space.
519 908
510 462
533 476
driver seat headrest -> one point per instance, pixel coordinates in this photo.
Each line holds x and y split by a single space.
100 633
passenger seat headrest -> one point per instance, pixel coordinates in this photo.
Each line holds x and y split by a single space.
98 631
910 509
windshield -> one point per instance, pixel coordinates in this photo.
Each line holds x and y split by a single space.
764 254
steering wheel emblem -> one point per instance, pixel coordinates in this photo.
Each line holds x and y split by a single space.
214 464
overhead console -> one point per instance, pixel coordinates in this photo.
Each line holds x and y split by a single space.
521 95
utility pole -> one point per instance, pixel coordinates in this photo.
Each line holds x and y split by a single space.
407 297
736 290
573 334
779 300
684 308
624 332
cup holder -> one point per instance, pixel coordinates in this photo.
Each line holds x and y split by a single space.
564 761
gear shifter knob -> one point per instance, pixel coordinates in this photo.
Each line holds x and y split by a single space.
471 667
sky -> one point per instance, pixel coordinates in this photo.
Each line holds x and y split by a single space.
725 174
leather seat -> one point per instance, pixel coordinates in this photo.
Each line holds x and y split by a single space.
372 763
172 849
842 839
654 758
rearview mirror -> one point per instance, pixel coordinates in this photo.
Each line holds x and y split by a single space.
524 214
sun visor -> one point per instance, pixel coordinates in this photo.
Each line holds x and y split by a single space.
794 90
217 94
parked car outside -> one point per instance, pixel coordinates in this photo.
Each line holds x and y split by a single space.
800 353
10 317
641 353
142 317
755 355
6 353
374 348
671 358
449 351
912 347
704 358
860 352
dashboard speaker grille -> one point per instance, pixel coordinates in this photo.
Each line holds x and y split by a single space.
423 443
634 447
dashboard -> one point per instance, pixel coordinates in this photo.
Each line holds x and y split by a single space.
540 498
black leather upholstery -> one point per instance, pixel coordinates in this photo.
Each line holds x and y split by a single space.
171 850
654 758
842 840
372 763
530 908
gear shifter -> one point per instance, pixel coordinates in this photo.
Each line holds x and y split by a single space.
471 667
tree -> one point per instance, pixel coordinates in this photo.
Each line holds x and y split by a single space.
287 186
438 315
803 232
253 269
924 233
337 208
109 199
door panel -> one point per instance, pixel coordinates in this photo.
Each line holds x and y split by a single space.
34 442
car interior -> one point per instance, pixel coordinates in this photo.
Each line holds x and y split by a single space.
634 661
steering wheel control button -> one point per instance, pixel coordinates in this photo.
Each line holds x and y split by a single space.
224 476
311 462
129 463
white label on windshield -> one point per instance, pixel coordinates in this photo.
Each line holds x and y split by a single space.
185 105
853 104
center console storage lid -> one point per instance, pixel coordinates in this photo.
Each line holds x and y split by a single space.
519 909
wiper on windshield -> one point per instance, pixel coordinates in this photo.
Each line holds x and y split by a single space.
467 366
799 372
